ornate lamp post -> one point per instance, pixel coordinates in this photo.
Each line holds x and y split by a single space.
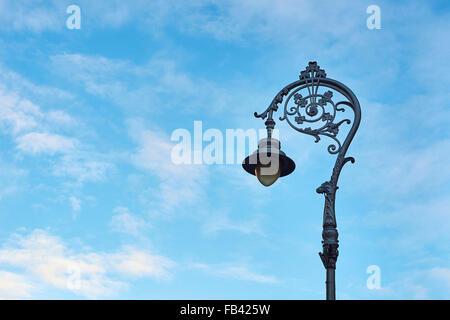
313 113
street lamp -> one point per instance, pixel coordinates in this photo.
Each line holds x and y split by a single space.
313 113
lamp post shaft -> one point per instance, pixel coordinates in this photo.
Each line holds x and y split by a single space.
331 284
330 242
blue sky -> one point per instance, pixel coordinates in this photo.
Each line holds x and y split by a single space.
88 189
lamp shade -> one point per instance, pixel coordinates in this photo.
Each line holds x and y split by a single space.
268 160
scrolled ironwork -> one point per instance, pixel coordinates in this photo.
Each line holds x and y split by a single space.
311 109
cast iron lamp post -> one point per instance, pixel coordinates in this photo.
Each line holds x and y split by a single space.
313 113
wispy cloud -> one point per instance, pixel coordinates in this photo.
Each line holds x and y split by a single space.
12 179
12 81
408 169
222 222
179 185
14 286
16 114
75 203
417 225
125 222
82 167
35 133
47 259
238 272
30 16
144 88
36 142
419 284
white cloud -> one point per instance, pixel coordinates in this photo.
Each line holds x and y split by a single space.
48 261
30 16
75 203
238 272
34 130
13 82
115 80
127 223
408 170
138 263
31 128
242 273
14 286
442 275
83 167
36 142
17 114
34 16
59 117
12 179
179 185
415 230
141 88
405 159
223 20
418 284
222 222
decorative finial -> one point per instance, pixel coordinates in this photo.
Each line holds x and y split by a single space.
312 71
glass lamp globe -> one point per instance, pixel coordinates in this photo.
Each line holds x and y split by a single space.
267 176
259 162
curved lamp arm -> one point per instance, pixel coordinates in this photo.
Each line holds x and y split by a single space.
317 108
